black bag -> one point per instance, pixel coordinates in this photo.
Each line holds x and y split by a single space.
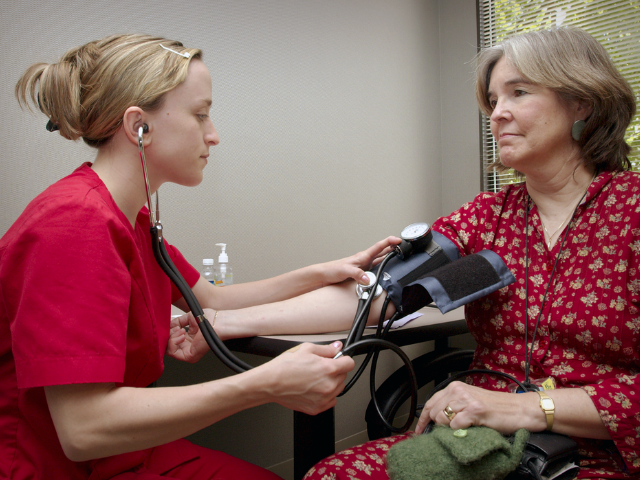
547 455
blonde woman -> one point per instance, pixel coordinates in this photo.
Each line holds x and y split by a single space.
77 350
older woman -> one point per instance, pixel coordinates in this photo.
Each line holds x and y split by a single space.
570 234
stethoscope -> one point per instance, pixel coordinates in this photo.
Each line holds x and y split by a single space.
164 260
415 238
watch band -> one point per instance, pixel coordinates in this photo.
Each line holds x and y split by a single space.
548 407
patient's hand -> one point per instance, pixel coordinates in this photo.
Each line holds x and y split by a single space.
470 405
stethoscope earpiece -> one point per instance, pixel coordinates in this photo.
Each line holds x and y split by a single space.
143 129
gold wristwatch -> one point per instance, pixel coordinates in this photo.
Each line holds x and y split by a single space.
548 407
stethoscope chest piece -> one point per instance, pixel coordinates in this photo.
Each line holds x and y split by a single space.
363 291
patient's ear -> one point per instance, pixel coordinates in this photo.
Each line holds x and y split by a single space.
584 110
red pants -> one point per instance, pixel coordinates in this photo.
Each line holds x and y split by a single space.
184 460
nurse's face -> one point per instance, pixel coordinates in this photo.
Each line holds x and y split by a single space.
181 131
531 124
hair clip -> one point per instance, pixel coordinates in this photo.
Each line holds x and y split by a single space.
185 55
52 127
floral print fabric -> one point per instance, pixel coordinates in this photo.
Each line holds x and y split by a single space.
589 331
364 461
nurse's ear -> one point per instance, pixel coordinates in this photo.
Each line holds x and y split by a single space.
132 120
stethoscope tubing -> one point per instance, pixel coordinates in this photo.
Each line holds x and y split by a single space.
166 264
373 346
364 305
354 345
215 344
353 342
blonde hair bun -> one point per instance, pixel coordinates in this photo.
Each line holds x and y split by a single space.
87 92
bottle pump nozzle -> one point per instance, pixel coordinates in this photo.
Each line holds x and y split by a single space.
223 258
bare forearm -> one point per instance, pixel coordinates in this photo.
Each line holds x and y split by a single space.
244 295
112 420
329 309
98 420
575 414
292 284
281 287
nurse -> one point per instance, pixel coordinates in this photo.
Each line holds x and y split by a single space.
77 351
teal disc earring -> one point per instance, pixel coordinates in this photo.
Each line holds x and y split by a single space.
576 129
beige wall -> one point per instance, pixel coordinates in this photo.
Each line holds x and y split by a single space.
340 123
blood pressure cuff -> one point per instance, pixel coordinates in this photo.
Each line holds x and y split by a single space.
439 275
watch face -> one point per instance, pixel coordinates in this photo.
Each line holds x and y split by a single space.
547 403
415 230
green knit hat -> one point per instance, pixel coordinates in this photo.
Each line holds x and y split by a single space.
479 453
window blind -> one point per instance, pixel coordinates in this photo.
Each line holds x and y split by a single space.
614 23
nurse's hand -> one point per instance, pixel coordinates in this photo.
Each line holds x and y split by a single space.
355 265
189 344
307 378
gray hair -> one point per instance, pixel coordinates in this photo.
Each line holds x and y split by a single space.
572 63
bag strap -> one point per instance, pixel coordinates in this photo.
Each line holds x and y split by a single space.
478 371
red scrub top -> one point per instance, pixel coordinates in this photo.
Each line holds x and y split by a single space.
82 300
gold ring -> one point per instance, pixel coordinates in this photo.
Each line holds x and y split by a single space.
448 411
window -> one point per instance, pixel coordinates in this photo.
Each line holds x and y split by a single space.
614 23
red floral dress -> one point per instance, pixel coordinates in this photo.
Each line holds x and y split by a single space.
589 331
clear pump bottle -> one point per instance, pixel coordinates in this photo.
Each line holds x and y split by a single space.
207 270
222 273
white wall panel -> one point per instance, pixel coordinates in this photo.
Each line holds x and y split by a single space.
331 117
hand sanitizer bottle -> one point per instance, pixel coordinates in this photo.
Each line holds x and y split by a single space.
207 270
222 272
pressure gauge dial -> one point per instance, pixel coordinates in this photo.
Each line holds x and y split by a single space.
415 231
417 236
